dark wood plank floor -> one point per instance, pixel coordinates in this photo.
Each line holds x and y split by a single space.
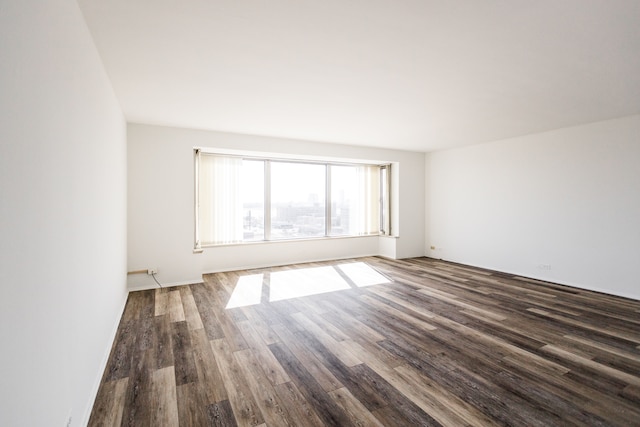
438 344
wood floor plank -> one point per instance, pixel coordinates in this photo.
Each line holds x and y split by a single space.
355 410
132 307
405 303
444 296
140 305
327 340
330 413
632 393
190 309
184 363
161 303
345 322
368 387
220 414
262 328
400 315
206 310
175 308
137 405
595 366
563 410
437 344
446 407
498 402
227 324
162 350
122 352
210 381
597 408
582 324
413 391
270 404
245 410
327 327
298 407
164 408
192 406
145 332
367 351
109 405
268 363
312 365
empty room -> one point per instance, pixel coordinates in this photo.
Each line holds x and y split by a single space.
330 213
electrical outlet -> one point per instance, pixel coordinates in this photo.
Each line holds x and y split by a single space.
544 266
152 271
433 248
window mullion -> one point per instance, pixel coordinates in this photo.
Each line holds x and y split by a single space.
385 203
196 198
353 212
267 200
327 202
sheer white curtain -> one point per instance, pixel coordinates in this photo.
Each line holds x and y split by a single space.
366 218
219 200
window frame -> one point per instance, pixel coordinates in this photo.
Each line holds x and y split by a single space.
384 199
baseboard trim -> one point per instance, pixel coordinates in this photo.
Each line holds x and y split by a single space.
154 285
283 264
103 364
542 279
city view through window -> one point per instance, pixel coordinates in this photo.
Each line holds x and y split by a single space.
251 199
298 200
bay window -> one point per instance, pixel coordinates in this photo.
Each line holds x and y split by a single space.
248 199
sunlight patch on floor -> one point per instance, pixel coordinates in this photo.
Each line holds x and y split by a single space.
301 282
248 291
362 275
305 282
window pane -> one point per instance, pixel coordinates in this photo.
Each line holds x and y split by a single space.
344 193
219 185
264 199
252 195
297 200
355 198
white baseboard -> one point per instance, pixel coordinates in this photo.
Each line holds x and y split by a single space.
103 364
154 285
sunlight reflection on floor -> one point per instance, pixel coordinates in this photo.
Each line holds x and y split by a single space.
248 291
362 275
303 282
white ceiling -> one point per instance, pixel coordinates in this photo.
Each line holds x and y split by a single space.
408 74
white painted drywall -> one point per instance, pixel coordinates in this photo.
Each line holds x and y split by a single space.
62 214
161 204
568 199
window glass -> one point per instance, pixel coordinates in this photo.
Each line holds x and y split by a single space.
344 194
257 199
297 200
252 195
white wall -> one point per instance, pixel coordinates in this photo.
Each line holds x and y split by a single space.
161 204
62 214
568 200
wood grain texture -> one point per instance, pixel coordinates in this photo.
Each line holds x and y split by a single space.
164 402
437 344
